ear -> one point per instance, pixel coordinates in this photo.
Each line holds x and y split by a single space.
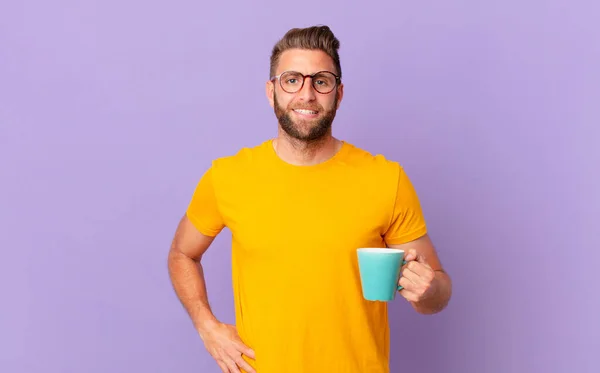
340 95
270 91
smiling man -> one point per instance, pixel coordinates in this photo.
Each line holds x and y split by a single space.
298 206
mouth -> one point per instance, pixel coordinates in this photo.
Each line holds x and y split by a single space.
306 113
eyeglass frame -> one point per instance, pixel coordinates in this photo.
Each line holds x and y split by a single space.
338 80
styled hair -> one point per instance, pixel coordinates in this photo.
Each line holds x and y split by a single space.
311 38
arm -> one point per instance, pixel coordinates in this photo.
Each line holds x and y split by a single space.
185 270
426 285
194 235
186 274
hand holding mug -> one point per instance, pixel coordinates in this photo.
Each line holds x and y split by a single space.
417 281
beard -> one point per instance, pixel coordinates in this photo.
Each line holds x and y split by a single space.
317 131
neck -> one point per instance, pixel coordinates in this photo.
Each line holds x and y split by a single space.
303 153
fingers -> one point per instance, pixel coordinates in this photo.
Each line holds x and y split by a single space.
233 368
408 292
411 291
406 284
223 366
413 277
409 296
418 272
416 278
230 361
417 263
244 365
413 255
229 365
228 350
245 350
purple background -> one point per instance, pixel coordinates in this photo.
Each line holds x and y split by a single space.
111 110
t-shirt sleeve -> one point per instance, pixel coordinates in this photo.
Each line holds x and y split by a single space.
407 222
203 209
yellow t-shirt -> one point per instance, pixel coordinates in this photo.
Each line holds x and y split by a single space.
295 231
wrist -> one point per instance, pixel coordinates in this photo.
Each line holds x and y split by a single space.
204 322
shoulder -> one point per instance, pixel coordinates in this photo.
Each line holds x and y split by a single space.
370 162
240 161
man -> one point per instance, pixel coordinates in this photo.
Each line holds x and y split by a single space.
298 206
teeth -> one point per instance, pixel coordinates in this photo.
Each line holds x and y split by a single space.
302 111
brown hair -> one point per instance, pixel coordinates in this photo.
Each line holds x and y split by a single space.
312 38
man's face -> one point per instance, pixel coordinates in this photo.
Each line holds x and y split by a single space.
306 115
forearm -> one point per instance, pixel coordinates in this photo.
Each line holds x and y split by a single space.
438 300
187 277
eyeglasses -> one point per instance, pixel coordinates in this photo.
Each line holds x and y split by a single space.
323 81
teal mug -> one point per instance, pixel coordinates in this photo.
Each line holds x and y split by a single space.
380 271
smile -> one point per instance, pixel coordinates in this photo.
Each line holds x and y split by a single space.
305 112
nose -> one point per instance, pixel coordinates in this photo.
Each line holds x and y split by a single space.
307 93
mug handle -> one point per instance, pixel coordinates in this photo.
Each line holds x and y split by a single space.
401 287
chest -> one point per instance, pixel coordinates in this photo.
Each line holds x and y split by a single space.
302 217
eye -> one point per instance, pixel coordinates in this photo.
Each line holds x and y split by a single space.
291 78
324 80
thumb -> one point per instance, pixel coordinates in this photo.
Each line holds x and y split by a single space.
411 255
